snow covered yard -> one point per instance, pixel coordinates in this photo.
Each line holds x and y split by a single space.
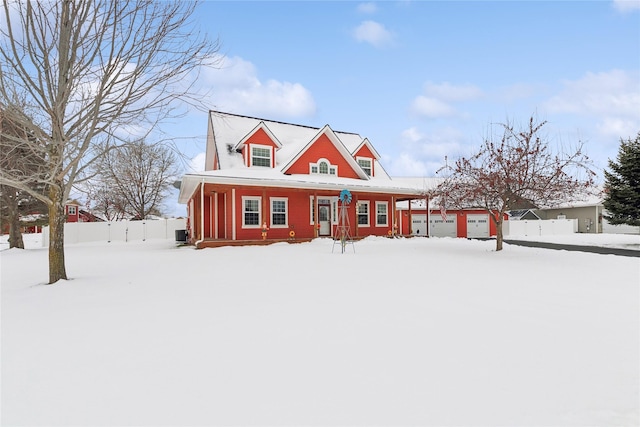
403 332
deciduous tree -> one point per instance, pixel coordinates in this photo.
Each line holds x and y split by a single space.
513 167
133 180
77 74
622 184
19 161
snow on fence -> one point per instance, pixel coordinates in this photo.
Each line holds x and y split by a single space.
118 231
546 227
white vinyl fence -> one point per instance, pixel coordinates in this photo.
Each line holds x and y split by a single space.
118 231
547 227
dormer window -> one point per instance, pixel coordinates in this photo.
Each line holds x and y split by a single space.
323 167
260 155
366 164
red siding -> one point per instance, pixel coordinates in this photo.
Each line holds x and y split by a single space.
298 213
322 148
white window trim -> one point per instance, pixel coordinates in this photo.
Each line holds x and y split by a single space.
370 160
312 211
286 212
386 205
72 210
267 147
259 199
363 202
330 168
334 210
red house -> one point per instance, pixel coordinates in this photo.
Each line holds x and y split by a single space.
266 180
72 208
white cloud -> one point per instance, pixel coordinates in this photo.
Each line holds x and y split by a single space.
610 93
373 33
431 107
611 100
422 154
412 134
626 5
448 92
237 88
367 8
437 100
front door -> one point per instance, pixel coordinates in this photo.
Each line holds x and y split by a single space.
324 217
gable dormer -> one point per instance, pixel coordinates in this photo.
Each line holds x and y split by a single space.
325 154
259 147
366 156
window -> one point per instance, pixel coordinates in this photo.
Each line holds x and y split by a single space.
260 155
363 213
365 164
278 212
72 210
251 212
381 214
323 167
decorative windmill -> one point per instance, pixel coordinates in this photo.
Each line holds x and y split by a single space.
343 229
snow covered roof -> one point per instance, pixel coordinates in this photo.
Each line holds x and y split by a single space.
228 132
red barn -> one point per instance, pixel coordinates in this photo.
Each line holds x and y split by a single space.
271 180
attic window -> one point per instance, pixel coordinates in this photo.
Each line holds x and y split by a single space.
260 156
365 163
323 167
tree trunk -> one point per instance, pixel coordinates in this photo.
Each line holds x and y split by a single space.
15 236
499 235
57 218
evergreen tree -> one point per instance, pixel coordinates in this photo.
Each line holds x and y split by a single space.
622 184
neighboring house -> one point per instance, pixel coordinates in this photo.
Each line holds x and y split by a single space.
523 215
284 180
589 215
72 209
76 214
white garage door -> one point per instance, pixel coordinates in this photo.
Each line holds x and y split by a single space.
441 228
419 225
478 225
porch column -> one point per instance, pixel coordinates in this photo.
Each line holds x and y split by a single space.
316 230
410 224
394 224
428 218
215 215
233 214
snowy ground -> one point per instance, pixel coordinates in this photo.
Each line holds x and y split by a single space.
401 332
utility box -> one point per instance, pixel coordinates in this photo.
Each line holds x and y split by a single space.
181 236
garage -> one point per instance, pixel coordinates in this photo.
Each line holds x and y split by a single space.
442 228
419 225
477 225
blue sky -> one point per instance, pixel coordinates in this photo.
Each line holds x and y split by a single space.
426 79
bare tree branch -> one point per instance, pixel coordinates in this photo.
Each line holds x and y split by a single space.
75 73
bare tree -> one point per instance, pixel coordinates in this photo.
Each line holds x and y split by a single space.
78 74
20 161
515 168
134 179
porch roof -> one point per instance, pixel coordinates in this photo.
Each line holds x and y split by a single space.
273 178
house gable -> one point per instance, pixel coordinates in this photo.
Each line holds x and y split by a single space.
259 147
366 157
325 150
